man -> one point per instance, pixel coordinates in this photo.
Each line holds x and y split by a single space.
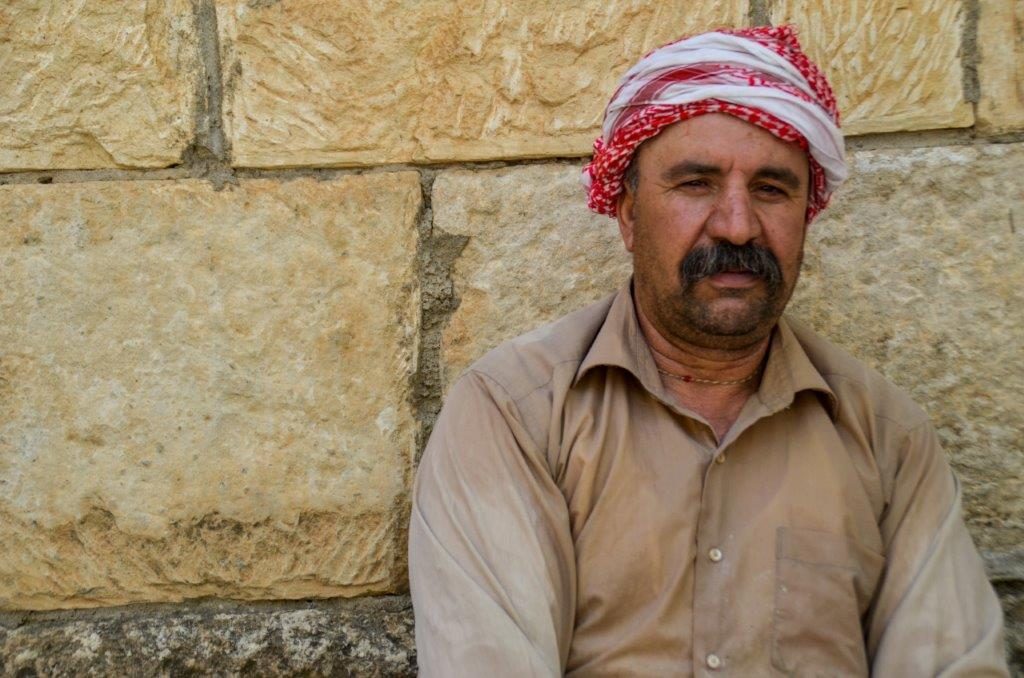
679 480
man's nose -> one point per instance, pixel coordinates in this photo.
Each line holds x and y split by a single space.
733 218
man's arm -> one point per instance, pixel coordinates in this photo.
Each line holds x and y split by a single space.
935 613
491 559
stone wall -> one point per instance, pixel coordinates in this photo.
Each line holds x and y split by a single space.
245 246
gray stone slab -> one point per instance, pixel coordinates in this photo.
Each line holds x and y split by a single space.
365 637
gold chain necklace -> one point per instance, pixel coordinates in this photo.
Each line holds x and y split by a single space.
696 380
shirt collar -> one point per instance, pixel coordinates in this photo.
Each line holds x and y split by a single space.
620 343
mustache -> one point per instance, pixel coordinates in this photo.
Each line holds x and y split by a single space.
723 257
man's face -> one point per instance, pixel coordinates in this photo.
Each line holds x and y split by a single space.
716 226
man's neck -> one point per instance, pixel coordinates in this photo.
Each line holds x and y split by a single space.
714 383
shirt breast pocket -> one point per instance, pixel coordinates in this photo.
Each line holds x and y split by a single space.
823 586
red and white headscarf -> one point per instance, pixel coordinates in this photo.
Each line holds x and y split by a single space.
760 75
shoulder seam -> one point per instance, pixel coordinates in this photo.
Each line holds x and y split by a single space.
533 389
908 427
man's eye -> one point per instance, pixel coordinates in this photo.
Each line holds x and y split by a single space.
694 183
768 189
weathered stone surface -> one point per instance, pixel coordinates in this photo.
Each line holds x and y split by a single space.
367 637
96 84
438 79
205 393
918 268
894 65
534 254
1011 594
1005 565
1001 66
1006 572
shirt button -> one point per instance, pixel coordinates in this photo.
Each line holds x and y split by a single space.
713 661
715 555
720 459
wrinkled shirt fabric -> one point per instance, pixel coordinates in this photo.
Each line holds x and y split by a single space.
569 518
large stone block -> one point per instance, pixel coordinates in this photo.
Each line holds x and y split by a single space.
895 66
357 83
918 268
1001 65
96 84
364 637
534 254
205 393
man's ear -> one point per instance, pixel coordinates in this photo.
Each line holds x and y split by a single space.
624 215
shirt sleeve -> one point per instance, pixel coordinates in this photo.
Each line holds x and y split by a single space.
935 613
491 559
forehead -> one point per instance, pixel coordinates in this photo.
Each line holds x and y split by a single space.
722 141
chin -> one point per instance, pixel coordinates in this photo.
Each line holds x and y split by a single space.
729 327
737 330
732 329
732 316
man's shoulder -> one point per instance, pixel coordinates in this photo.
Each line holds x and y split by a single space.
860 390
530 361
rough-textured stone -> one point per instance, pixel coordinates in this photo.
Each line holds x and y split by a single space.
1005 565
534 253
96 84
1006 571
918 268
1001 65
1011 594
436 79
895 65
368 637
205 393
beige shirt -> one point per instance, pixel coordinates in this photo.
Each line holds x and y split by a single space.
569 517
